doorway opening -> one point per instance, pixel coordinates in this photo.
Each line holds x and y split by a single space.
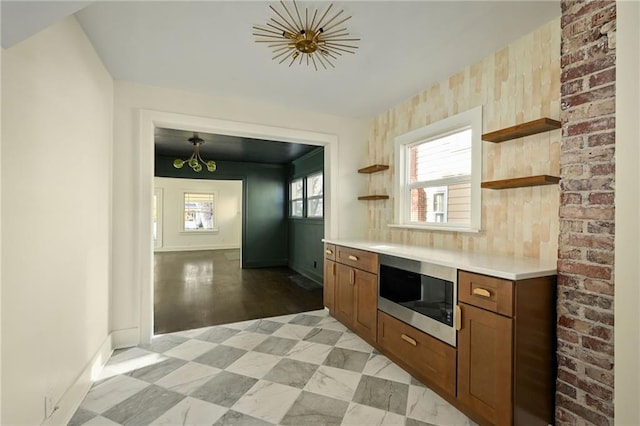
149 121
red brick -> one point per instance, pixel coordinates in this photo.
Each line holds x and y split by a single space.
590 241
603 376
604 198
572 87
596 213
593 184
599 405
600 139
570 198
599 286
567 335
603 77
601 227
602 169
580 70
586 299
603 16
564 418
604 333
571 225
599 316
566 389
595 154
591 126
584 412
566 362
587 357
595 389
567 377
568 281
602 257
569 144
597 345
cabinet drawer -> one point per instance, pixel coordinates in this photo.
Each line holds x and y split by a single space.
427 358
330 251
492 294
360 259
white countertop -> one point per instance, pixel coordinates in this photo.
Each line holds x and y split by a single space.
501 266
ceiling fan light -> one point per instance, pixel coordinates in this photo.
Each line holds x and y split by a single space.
178 163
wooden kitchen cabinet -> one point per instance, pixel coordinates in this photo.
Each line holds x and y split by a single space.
329 285
506 354
355 287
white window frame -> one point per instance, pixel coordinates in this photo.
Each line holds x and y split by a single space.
469 119
313 197
215 212
302 198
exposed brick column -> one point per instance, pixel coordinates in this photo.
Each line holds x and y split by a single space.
586 244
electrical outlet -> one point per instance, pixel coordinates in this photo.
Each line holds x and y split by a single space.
49 404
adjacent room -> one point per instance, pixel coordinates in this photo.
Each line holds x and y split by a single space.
303 212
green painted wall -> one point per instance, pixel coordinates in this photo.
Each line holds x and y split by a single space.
265 207
306 254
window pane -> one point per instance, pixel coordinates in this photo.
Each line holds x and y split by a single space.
198 211
314 207
441 158
296 189
296 208
443 204
314 185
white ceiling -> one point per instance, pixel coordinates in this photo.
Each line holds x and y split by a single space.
208 47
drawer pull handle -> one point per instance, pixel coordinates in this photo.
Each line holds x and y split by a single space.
328 251
481 292
334 269
352 276
409 340
354 258
458 318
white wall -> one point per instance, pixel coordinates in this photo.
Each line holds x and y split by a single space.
57 110
228 213
627 270
130 98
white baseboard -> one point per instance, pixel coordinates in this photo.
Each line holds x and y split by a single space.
125 338
197 248
71 399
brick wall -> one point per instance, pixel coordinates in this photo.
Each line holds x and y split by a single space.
586 242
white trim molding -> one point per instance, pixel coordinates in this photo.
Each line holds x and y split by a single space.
149 120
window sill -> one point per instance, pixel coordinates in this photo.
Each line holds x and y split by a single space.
434 228
195 231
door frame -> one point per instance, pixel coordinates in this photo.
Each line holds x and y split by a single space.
149 120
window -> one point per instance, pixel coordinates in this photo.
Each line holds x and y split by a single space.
314 195
199 212
306 196
438 174
296 197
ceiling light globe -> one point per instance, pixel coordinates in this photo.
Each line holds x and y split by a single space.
178 163
211 166
193 163
197 168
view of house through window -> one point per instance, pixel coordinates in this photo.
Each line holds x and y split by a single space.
438 170
199 211
306 196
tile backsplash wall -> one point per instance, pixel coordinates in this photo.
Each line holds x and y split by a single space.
517 84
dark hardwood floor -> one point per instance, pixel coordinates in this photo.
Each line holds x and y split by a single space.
202 288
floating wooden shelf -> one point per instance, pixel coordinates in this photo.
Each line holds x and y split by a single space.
521 182
373 169
374 197
522 130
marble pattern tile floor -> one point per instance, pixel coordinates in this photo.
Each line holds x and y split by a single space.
300 369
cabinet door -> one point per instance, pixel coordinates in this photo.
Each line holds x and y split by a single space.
329 284
365 319
344 294
485 364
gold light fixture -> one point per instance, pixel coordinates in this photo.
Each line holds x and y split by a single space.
195 161
316 41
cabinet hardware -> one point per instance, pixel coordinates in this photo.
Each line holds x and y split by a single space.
328 251
458 318
354 258
481 292
334 269
352 276
408 339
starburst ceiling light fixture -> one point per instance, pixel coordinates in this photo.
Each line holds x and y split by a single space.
195 161
316 41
